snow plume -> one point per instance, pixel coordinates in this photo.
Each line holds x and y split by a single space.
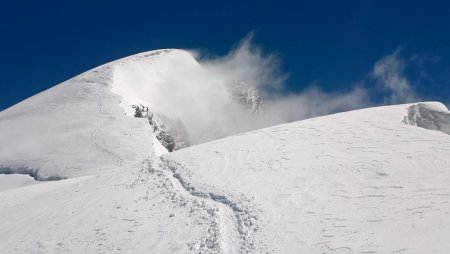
174 84
389 72
248 63
314 102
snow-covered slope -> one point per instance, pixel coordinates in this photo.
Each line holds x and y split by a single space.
73 129
355 182
368 181
86 125
172 84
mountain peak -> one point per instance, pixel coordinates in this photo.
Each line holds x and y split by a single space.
84 166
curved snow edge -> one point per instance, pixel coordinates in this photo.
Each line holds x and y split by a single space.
34 173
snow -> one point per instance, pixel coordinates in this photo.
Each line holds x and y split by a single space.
131 79
159 149
12 181
171 83
73 129
110 213
354 182
368 181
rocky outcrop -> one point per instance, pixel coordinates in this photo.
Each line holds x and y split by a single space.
247 96
170 132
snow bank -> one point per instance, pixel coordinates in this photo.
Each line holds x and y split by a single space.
13 181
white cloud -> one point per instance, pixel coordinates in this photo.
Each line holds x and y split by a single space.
197 94
389 72
248 63
314 102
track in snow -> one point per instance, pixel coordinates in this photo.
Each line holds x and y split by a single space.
232 227
98 127
94 143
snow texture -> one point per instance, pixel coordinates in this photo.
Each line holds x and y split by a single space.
73 129
368 181
355 182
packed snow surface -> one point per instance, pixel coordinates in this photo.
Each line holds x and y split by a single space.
355 182
79 175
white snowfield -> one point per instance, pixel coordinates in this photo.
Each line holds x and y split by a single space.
375 180
73 129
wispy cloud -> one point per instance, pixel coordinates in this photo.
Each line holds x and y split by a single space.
197 94
389 72
248 63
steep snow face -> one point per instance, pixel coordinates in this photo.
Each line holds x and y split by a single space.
75 128
173 84
354 182
86 125
152 79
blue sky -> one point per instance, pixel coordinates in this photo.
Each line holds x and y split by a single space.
333 45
